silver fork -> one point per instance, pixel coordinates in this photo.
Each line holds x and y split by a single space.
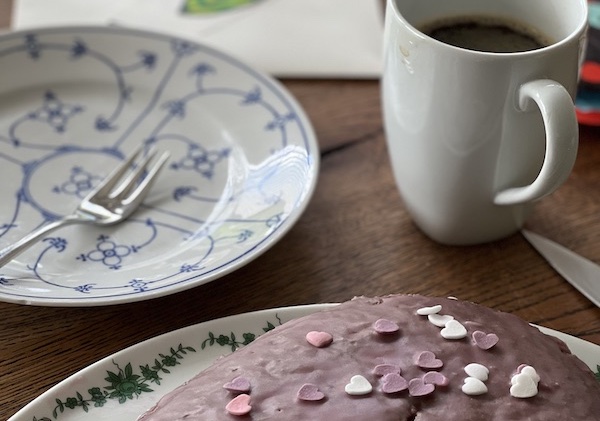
109 203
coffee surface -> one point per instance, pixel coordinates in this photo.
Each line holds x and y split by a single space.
486 33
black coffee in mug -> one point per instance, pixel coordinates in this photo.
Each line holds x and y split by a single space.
486 33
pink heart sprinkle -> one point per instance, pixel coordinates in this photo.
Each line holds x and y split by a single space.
427 359
383 369
240 405
319 339
310 392
436 378
521 367
239 384
483 340
417 387
385 327
393 383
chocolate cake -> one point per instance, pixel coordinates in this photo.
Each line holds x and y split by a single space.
400 357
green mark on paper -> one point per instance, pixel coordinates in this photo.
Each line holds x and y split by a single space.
211 6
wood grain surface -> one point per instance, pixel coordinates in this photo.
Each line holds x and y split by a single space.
355 238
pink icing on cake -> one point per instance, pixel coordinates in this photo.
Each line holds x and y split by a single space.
288 374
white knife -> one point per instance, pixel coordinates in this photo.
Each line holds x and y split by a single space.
582 273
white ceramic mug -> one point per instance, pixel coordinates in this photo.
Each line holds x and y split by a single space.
476 137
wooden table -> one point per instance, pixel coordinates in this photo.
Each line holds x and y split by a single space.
354 238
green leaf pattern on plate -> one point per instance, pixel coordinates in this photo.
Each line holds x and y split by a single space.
125 383
231 340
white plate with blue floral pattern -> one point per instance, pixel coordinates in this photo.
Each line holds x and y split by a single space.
75 101
124 385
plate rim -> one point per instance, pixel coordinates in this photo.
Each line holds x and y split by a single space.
276 87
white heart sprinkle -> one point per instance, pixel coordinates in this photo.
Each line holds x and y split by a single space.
474 387
530 371
523 386
439 320
454 330
426 311
478 371
358 386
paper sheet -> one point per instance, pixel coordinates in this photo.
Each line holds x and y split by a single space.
287 38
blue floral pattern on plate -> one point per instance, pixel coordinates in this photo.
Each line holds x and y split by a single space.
76 101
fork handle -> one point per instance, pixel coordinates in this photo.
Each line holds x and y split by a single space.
33 237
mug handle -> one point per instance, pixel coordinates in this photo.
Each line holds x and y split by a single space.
562 137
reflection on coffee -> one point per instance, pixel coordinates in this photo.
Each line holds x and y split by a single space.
486 33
